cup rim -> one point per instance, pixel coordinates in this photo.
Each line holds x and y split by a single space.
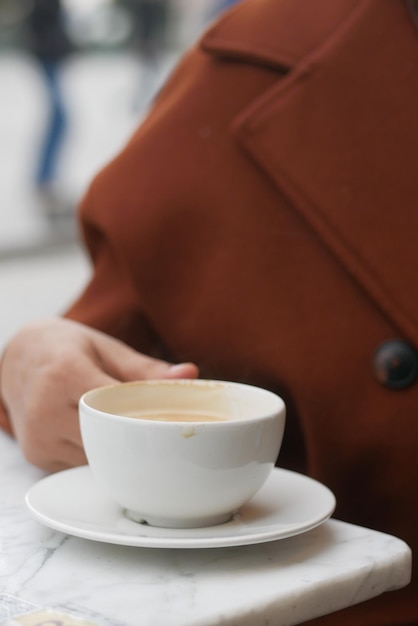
279 407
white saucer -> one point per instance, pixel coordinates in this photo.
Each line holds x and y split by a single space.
72 502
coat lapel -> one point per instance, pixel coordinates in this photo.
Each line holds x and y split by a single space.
275 32
339 136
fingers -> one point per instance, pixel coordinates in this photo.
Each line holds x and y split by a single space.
49 434
64 456
123 363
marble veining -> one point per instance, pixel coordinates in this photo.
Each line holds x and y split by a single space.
282 582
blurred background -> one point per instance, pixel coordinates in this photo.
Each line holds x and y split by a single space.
76 78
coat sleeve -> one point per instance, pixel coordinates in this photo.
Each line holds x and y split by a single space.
110 301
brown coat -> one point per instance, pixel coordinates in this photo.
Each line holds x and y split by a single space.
263 223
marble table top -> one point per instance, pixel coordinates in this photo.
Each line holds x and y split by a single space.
101 584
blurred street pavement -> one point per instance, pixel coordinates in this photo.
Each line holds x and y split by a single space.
39 286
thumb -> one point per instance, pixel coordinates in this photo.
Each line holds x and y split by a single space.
123 363
182 370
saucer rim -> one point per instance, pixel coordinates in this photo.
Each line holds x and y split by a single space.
214 538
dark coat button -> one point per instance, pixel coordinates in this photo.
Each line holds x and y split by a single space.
395 364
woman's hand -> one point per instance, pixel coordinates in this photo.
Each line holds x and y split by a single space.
47 366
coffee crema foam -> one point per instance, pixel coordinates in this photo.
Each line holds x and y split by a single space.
176 416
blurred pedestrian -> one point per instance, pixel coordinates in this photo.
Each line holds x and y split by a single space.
48 41
150 22
150 19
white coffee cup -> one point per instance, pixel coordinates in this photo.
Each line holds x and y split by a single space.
181 474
